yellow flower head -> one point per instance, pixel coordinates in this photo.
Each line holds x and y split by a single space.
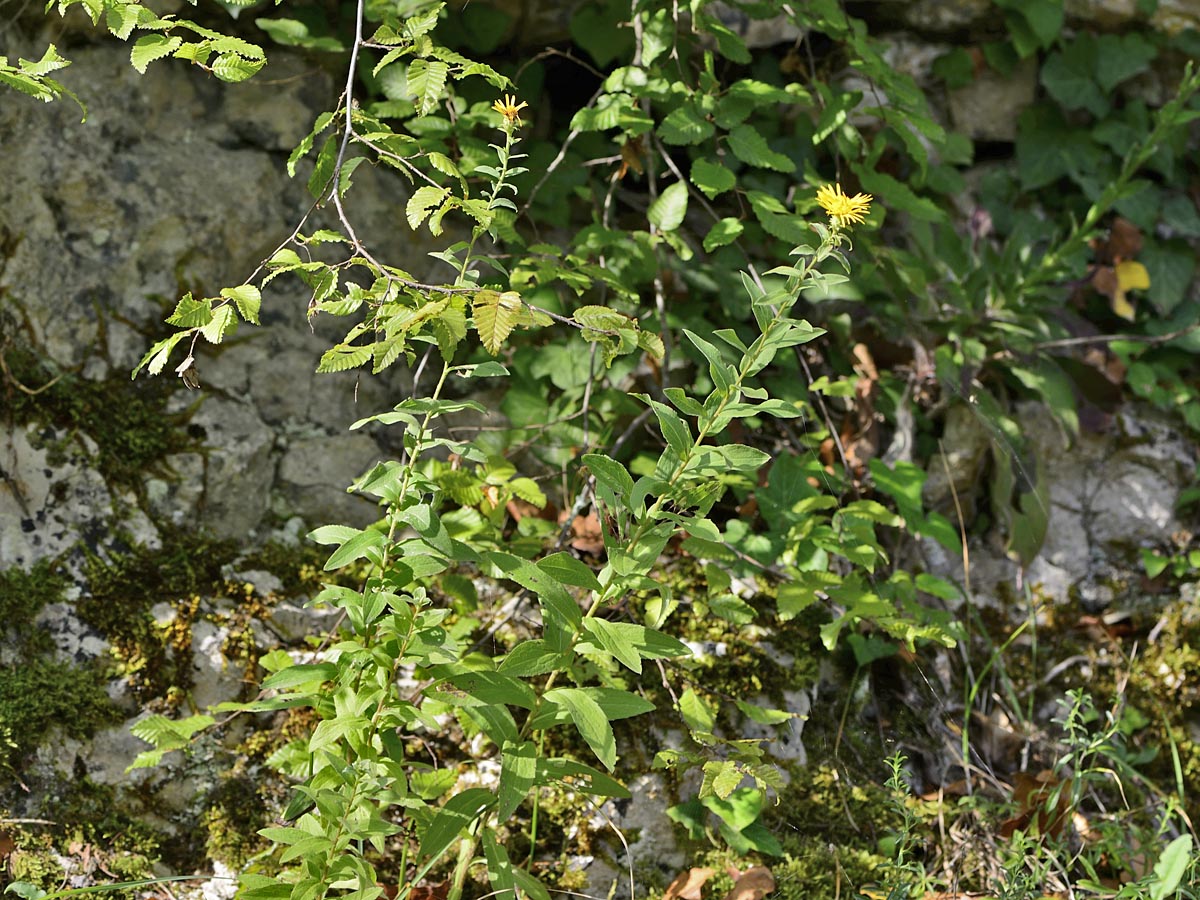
510 109
843 210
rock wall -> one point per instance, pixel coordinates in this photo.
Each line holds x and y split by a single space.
176 182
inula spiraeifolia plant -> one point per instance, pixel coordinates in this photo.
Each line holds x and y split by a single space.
619 278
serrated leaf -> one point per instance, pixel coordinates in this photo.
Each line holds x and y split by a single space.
423 200
495 316
343 357
150 47
222 320
722 233
248 301
427 82
233 67
751 148
712 178
156 357
191 313
685 125
667 212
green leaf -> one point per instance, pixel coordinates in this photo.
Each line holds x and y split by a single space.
357 547
590 721
533 657
233 68
712 178
150 47
311 674
190 313
518 772
427 83
156 357
248 301
667 212
565 568
611 475
1171 265
738 810
685 125
423 201
751 148
582 777
1119 58
726 231
343 357
632 643
729 44
674 429
1067 76
500 872
459 812
720 778
1171 866
697 714
223 319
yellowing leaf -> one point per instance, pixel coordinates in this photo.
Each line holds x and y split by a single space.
1131 276
495 317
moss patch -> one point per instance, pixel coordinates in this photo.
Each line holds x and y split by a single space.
129 422
40 693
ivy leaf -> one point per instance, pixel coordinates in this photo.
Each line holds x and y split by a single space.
667 212
751 148
495 317
426 82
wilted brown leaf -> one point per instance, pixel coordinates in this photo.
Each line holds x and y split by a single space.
753 884
1033 794
687 885
586 536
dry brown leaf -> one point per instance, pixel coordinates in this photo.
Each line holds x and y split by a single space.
753 884
1032 793
687 885
6 846
586 536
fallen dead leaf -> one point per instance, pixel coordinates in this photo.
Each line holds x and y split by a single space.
753 884
687 885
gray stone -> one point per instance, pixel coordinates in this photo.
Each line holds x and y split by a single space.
239 470
314 475
988 108
49 498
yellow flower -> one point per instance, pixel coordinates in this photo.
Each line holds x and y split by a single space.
510 109
843 210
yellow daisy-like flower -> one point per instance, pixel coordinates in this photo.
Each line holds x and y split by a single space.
510 109
843 210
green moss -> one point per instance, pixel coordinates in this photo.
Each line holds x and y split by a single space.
236 811
133 432
23 595
40 693
123 589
